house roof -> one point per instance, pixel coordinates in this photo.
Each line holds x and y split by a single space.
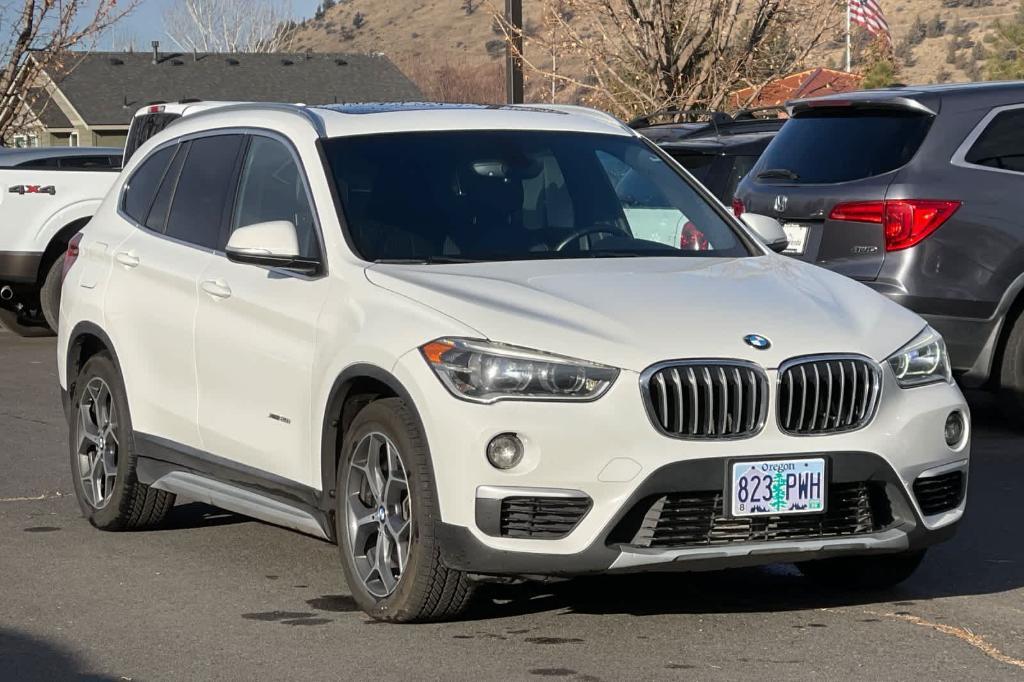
46 110
810 83
106 88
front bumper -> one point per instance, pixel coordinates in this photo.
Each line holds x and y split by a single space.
903 529
609 451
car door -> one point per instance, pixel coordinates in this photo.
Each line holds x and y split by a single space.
151 299
256 328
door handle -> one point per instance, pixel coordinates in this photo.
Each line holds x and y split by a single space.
127 259
216 288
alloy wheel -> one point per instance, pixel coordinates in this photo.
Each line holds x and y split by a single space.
98 445
378 511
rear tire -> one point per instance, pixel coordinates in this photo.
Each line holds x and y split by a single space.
385 439
878 572
49 295
103 456
1011 374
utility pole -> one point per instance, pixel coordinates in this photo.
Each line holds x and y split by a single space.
513 50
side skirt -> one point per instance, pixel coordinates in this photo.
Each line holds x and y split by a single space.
203 477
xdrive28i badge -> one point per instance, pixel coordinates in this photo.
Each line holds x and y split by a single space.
757 341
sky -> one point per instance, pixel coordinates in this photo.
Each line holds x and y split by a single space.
145 23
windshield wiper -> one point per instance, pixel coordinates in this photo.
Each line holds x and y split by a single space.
778 173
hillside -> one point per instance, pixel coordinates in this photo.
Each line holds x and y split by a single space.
427 37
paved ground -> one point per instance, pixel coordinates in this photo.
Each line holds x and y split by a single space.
219 596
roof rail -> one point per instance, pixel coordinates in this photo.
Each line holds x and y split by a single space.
710 116
297 109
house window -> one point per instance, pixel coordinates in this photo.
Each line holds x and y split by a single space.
23 140
73 140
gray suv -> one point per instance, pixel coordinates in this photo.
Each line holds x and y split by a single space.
919 193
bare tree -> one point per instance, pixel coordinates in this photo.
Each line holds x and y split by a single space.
43 36
229 25
638 56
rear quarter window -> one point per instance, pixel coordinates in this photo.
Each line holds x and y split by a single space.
1001 144
142 186
839 146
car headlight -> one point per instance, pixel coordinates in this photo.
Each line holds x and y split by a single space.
922 361
486 372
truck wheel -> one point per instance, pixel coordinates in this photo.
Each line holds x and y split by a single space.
103 454
863 572
49 295
1011 374
385 520
11 321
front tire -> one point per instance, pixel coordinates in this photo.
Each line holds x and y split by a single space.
103 456
386 517
877 572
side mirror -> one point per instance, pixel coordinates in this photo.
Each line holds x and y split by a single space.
768 229
273 244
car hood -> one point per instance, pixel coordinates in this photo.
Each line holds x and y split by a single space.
633 312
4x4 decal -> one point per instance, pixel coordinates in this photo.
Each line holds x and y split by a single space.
33 189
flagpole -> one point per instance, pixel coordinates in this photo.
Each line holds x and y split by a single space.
848 43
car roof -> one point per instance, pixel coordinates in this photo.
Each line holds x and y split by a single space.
364 118
11 157
925 98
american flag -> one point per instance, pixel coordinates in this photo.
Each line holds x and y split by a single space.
869 14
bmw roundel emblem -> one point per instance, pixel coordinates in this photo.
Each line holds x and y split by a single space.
757 341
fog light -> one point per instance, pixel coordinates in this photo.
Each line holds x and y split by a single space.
505 451
954 430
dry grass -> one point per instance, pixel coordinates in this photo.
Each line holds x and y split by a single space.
445 50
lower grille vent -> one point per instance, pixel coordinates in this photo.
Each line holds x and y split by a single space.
698 519
937 494
541 517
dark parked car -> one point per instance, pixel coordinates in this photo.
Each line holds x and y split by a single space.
919 193
717 148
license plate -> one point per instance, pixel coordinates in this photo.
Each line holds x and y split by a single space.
797 236
778 486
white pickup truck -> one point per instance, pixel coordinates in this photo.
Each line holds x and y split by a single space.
47 194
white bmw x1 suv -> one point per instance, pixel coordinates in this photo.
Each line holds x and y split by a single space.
464 342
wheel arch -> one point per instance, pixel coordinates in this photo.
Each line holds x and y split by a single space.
85 341
57 245
1009 309
357 386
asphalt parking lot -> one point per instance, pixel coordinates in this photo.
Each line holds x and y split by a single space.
219 596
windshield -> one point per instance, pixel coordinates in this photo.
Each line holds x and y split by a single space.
842 145
518 195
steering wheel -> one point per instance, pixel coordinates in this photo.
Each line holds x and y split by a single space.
613 230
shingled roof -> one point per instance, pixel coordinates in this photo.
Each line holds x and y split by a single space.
106 88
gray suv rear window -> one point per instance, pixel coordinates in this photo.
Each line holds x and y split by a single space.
843 145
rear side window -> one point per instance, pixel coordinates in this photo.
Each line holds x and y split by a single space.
839 146
157 219
1001 145
142 186
206 182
